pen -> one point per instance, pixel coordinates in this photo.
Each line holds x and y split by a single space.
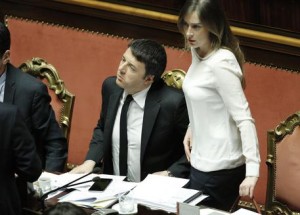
105 199
112 197
193 197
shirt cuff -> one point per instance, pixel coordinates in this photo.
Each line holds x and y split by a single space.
252 170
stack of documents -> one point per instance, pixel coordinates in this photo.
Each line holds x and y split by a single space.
160 192
99 199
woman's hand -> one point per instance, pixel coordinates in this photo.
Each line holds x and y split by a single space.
247 186
187 142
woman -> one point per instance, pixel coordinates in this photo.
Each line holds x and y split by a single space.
225 154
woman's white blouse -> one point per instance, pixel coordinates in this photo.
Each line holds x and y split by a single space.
223 130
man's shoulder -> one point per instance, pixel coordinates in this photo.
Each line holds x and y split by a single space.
23 79
26 77
109 84
169 91
111 80
167 96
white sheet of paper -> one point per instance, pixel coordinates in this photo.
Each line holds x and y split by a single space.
99 199
243 211
210 211
161 192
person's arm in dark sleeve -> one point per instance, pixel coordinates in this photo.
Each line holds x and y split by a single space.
27 162
51 142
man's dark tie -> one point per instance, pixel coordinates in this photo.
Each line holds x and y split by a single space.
123 137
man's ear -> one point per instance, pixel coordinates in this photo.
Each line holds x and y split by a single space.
6 57
149 79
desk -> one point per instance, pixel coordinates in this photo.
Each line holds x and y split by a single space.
142 210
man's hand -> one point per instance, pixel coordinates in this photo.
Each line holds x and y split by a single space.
247 186
187 143
86 167
162 173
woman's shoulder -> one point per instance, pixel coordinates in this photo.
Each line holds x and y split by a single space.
224 59
223 54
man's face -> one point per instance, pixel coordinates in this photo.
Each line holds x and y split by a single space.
131 74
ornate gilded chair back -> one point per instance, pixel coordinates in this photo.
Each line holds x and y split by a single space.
174 78
62 101
283 161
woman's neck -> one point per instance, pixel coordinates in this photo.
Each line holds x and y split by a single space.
204 52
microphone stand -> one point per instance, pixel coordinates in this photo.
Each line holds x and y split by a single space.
45 195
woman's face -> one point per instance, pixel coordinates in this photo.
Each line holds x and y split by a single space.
196 34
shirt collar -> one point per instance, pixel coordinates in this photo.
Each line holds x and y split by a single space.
139 97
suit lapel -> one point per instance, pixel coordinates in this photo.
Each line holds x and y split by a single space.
9 85
152 107
112 108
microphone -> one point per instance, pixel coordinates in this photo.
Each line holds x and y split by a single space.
95 179
95 170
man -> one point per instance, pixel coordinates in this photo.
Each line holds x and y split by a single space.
157 118
33 101
17 156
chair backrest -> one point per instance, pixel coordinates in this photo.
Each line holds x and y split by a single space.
62 101
174 78
283 160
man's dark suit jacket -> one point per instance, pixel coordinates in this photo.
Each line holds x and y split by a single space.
164 126
17 155
31 97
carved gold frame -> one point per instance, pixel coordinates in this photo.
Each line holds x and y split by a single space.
174 78
40 68
272 206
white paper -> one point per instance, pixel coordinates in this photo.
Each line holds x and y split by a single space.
161 192
243 211
210 211
99 199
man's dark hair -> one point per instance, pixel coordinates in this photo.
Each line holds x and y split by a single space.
4 39
152 54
